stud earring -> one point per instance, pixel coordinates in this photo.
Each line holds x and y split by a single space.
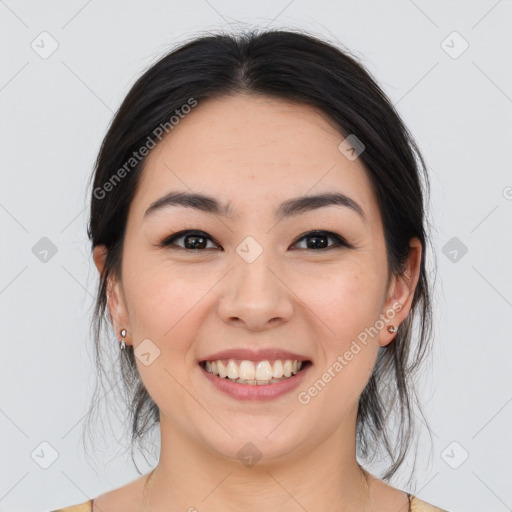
122 344
392 329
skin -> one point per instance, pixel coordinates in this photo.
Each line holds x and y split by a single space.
255 152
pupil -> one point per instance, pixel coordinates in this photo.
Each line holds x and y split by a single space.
317 245
195 244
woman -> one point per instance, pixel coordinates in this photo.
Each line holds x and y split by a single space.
257 221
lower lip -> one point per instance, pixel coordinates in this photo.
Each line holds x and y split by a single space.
256 392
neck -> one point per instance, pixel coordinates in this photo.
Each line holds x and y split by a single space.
320 477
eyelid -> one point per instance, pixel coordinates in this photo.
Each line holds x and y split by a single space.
323 232
166 242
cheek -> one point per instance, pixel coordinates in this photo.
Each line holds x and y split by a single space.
168 307
347 300
164 307
161 297
348 305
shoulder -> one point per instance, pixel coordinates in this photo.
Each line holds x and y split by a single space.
418 505
83 507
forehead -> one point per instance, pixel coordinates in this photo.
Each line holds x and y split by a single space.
253 150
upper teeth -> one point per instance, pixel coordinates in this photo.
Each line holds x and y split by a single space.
249 370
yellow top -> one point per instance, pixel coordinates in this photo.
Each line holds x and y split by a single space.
83 507
415 505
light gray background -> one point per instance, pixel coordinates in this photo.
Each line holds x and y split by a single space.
54 112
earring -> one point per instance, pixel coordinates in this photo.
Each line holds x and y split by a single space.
392 329
122 344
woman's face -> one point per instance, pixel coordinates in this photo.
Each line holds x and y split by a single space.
254 279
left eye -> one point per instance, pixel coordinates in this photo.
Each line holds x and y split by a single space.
320 238
197 240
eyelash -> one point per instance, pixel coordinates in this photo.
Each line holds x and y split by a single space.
329 234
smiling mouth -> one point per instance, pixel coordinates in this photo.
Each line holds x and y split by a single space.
255 373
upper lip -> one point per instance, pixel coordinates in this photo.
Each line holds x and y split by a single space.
254 355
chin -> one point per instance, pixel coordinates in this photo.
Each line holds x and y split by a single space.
259 442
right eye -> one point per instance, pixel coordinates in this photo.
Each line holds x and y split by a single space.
196 240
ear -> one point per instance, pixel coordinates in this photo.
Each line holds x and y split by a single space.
401 293
116 302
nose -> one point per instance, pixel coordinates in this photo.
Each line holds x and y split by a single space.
255 295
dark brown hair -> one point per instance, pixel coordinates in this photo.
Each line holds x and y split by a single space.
295 67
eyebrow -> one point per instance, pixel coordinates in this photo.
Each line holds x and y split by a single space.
289 208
